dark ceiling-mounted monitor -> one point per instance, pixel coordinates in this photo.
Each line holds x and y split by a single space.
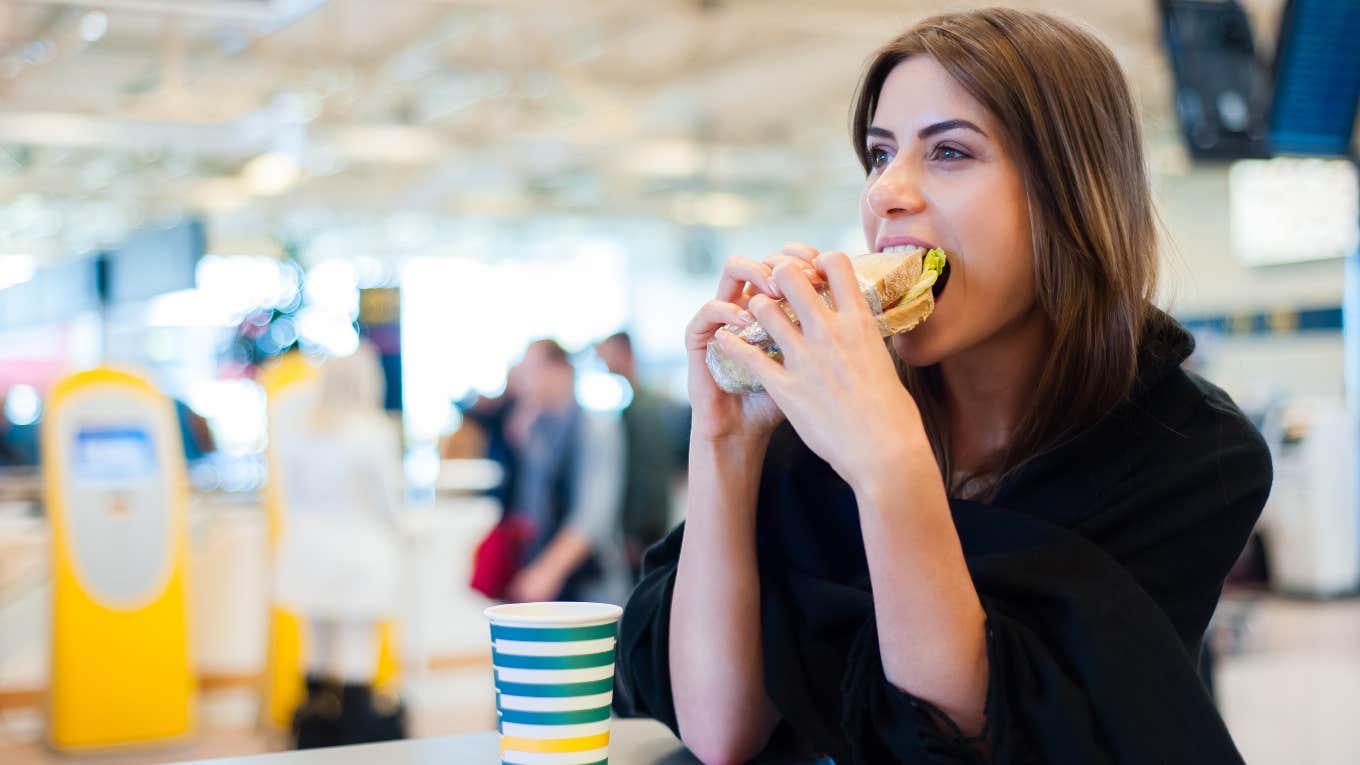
1222 92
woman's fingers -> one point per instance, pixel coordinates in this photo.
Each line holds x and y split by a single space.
845 290
809 270
800 251
711 316
796 282
738 272
774 317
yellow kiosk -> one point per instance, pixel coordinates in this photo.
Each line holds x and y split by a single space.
115 492
288 385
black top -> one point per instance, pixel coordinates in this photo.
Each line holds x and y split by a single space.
1098 564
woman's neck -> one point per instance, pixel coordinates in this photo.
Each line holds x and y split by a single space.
988 389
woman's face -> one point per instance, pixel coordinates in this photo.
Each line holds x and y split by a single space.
941 176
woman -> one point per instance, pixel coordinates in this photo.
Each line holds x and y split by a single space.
339 558
1001 538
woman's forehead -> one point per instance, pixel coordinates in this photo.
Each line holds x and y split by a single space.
919 92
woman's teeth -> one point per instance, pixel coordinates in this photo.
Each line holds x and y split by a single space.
902 248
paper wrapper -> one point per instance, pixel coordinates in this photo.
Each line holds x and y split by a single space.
734 378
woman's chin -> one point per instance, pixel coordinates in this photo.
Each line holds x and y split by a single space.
917 348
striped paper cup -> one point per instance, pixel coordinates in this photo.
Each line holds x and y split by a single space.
554 665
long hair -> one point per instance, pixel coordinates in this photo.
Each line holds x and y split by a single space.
351 389
1072 128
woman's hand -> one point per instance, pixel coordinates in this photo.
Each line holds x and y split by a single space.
837 386
721 416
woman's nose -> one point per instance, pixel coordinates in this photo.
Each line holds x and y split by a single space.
895 192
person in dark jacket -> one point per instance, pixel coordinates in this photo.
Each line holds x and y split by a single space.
650 462
1000 538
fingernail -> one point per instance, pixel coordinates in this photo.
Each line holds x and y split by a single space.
774 289
747 318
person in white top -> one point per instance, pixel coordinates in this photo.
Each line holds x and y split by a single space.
339 560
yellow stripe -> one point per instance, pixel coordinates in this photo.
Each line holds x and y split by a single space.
551 745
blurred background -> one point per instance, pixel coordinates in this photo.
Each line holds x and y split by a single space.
230 198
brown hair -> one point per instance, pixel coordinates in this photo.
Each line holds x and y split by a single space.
1073 131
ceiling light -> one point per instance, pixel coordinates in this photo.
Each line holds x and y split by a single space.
93 25
715 208
665 159
16 269
271 173
23 406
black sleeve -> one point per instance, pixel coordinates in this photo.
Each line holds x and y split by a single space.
644 636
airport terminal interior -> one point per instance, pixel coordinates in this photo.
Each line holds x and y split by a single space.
258 256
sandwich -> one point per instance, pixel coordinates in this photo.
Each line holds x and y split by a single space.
899 285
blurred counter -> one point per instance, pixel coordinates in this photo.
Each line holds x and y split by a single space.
441 621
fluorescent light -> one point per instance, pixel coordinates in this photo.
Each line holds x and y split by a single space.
93 26
16 269
665 159
715 208
271 174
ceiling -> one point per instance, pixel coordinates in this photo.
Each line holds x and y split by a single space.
273 116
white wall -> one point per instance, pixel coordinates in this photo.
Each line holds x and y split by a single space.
1201 275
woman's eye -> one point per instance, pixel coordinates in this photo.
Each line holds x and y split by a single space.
949 154
879 157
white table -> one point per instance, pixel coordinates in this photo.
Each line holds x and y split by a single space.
632 742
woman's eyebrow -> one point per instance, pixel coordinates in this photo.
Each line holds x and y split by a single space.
929 130
940 127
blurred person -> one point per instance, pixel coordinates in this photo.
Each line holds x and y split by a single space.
996 538
570 486
339 558
484 433
650 461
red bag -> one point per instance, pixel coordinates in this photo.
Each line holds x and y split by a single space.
498 556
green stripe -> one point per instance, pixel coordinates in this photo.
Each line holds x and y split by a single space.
582 661
577 717
553 634
556 690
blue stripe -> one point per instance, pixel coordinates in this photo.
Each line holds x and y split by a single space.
553 634
556 690
574 717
